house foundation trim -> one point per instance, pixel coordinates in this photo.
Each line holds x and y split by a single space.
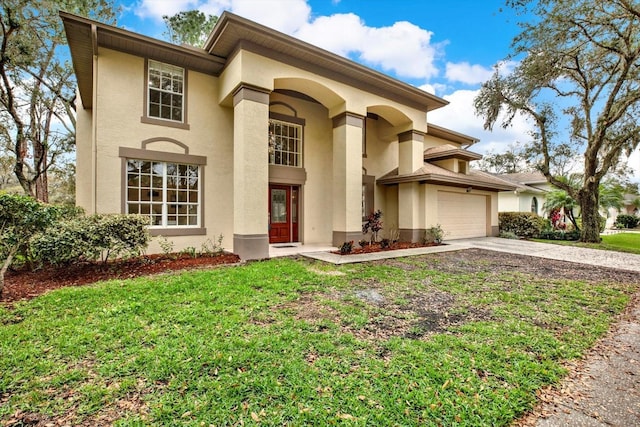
495 230
411 234
339 237
251 246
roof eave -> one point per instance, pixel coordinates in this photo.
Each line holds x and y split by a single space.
318 59
445 180
85 36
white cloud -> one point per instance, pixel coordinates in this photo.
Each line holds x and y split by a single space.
402 48
464 72
634 163
460 116
155 9
285 16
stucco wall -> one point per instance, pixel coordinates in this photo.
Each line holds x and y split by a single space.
119 107
84 158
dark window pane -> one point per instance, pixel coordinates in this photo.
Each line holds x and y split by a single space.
154 96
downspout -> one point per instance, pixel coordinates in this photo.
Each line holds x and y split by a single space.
94 122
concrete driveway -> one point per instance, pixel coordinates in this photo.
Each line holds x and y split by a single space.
597 257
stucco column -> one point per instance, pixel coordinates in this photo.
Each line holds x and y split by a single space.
347 177
250 173
410 159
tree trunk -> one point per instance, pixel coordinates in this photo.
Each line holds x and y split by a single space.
5 266
590 213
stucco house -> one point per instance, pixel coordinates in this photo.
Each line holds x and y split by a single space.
528 195
264 139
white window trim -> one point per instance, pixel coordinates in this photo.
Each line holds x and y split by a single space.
300 138
159 66
165 203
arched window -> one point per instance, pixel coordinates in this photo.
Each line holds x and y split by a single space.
534 205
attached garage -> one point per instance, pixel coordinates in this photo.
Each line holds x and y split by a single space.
462 215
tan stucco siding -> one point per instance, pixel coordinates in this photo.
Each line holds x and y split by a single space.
250 68
119 108
508 202
432 141
84 158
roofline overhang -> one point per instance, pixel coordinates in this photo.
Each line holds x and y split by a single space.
451 135
85 36
445 180
457 153
304 55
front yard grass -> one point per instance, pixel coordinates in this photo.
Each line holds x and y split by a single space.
620 242
296 342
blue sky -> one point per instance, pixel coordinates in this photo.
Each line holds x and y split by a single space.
444 47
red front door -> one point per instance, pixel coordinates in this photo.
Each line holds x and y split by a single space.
283 214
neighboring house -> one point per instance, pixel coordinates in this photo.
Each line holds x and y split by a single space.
264 139
630 207
529 193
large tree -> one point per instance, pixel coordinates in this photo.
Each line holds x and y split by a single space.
37 85
190 27
579 65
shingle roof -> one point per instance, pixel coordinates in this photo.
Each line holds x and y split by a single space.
518 186
525 177
432 174
448 151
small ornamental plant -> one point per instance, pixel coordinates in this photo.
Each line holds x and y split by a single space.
373 224
346 247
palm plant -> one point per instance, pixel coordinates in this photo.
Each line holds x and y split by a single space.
559 200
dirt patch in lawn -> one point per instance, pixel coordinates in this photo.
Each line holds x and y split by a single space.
420 311
484 261
26 284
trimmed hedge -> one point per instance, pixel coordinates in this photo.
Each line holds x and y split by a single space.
90 238
522 224
627 221
560 235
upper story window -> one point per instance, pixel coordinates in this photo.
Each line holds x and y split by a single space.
166 92
168 193
285 143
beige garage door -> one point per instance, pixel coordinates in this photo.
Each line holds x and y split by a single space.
462 215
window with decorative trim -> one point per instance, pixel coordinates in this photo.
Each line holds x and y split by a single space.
534 205
165 92
168 193
285 143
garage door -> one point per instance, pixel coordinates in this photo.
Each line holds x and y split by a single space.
462 215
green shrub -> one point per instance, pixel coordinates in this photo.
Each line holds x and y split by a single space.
522 224
560 235
627 221
433 235
90 238
20 218
508 235
346 247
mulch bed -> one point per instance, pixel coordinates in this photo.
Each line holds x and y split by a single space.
376 247
26 284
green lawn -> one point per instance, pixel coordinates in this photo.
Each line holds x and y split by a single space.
621 242
293 342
